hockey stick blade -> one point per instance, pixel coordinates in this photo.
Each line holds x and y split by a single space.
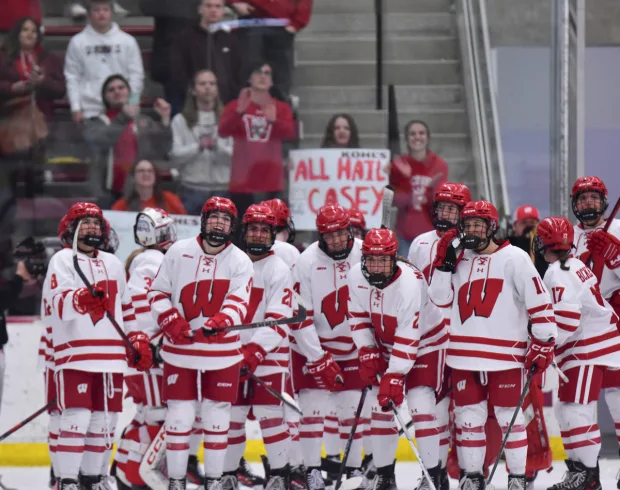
283 397
386 206
4 487
352 483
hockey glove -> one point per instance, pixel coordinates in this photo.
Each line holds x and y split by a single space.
212 331
391 389
175 327
144 360
326 373
84 302
253 355
445 257
371 364
607 246
539 354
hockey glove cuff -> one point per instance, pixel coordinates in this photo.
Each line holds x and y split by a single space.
539 354
326 373
372 363
175 327
144 360
391 389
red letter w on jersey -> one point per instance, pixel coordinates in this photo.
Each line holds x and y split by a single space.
203 298
478 297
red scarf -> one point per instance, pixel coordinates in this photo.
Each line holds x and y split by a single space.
26 62
125 153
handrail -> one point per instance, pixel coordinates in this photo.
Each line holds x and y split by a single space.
379 53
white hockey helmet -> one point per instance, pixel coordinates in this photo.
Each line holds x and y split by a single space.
154 227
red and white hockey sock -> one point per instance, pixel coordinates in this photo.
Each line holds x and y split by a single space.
443 427
612 397
331 434
70 448
52 437
355 454
98 440
275 434
314 403
383 431
291 418
179 421
421 401
365 421
516 444
580 433
196 437
236 438
105 462
216 422
470 436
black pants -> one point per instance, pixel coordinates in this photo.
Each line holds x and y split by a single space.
274 45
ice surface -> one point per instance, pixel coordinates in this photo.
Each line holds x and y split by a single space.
407 476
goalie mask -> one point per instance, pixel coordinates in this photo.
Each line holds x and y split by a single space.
554 233
284 221
478 225
448 203
217 221
91 235
155 227
379 257
589 208
258 229
335 235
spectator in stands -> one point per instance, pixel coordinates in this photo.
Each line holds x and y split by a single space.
259 124
341 132
171 18
98 51
199 153
77 12
143 190
121 135
200 48
273 43
415 176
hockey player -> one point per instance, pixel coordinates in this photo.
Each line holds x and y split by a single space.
89 356
324 357
492 283
588 344
388 308
203 282
265 352
285 235
450 198
589 202
358 223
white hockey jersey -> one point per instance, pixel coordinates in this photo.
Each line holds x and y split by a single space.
610 279
88 342
587 332
391 317
200 285
140 276
271 298
494 297
323 286
46 348
287 252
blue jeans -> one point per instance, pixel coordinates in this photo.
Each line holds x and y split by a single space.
194 199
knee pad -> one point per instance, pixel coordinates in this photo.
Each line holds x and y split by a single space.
314 402
215 414
474 415
504 416
573 415
154 415
612 398
75 420
346 403
421 400
180 415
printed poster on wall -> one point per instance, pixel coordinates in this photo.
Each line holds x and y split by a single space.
354 178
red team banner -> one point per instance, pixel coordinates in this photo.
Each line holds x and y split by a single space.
354 178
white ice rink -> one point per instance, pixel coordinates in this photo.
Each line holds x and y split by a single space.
407 476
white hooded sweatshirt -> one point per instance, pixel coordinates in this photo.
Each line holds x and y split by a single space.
91 58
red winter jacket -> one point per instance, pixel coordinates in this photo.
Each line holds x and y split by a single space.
296 11
413 196
257 151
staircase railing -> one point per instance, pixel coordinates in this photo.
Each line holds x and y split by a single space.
473 33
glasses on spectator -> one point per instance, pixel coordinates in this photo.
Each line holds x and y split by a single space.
265 71
115 88
145 171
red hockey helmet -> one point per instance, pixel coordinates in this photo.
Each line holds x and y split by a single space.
555 233
329 219
449 192
483 210
379 257
258 213
283 217
62 231
222 205
589 184
357 218
76 213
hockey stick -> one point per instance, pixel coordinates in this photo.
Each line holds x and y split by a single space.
76 265
283 397
560 372
347 449
4 487
28 420
610 218
386 206
512 423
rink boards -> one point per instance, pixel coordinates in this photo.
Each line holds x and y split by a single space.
24 394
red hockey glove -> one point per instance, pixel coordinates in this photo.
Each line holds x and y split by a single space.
326 373
212 331
445 257
539 354
175 327
371 364
391 389
141 343
253 355
605 245
84 302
